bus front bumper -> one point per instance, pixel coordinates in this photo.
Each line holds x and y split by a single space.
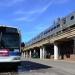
10 59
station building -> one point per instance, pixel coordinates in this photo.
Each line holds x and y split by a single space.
56 42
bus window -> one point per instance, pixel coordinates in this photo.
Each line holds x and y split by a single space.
11 40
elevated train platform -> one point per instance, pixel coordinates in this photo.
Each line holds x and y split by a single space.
56 42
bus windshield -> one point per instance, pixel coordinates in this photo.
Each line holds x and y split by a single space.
10 40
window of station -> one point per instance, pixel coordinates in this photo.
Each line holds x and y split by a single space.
54 27
47 32
51 35
72 17
51 29
58 25
64 20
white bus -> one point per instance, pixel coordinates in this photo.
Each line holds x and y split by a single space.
10 45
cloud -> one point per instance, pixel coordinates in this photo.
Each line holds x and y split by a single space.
33 14
9 3
27 19
21 18
34 11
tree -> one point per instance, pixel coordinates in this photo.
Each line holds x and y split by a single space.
22 44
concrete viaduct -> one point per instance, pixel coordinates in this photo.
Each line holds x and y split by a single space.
56 42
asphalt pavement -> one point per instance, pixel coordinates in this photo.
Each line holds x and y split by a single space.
41 67
63 65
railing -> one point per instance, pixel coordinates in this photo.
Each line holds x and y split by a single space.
60 34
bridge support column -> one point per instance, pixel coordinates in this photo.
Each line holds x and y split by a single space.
22 54
55 51
34 50
44 53
30 54
74 47
34 53
26 54
41 53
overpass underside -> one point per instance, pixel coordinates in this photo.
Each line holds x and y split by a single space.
60 46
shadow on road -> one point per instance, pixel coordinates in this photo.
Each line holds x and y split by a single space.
24 67
28 65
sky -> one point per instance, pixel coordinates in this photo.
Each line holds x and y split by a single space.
33 16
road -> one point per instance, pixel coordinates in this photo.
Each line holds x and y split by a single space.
32 68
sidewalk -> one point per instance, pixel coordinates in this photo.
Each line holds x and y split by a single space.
67 66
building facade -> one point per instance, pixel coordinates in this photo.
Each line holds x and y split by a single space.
56 42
